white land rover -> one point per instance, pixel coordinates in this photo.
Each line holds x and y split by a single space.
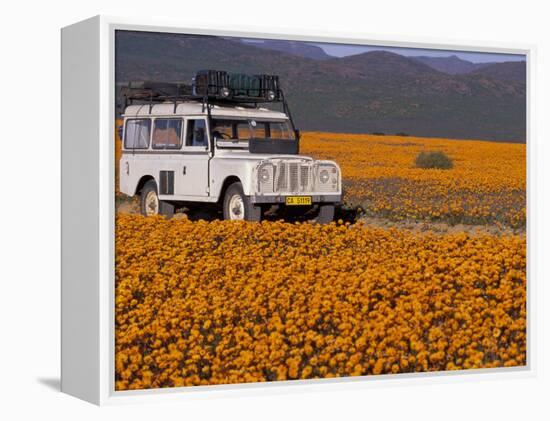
213 142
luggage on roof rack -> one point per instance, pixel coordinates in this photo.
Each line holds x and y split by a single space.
210 83
237 87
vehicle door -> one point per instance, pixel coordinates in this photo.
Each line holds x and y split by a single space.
164 159
136 138
193 174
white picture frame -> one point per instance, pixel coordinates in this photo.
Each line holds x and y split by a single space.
88 215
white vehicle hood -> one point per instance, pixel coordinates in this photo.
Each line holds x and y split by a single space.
259 157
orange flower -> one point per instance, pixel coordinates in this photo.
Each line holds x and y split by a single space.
320 301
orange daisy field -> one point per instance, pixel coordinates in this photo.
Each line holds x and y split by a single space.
487 184
201 303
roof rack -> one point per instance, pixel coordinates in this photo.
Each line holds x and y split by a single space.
210 87
155 92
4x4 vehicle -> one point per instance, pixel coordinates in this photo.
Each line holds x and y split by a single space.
212 141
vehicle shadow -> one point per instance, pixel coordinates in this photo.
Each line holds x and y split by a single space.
212 213
341 213
348 214
203 212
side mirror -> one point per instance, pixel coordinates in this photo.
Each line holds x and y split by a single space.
297 134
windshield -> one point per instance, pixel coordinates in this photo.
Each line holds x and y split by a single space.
226 129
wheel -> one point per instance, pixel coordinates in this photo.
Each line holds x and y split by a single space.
150 203
237 206
326 214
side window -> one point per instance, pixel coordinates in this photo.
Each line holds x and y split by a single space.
243 130
259 129
196 133
230 129
137 134
279 131
222 129
167 133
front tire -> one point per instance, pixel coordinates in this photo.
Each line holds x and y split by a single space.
237 206
326 214
151 205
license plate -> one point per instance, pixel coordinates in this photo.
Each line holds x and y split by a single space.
298 200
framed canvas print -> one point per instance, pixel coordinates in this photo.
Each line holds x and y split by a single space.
243 211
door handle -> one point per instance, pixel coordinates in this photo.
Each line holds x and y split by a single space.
184 170
127 168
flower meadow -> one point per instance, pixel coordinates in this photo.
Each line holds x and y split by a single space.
486 185
202 303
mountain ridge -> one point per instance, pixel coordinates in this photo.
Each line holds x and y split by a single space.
297 48
451 64
377 91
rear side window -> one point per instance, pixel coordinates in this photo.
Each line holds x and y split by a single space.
137 134
167 133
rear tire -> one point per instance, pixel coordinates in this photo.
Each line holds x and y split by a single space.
326 214
237 206
151 205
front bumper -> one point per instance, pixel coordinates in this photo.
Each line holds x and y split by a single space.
280 199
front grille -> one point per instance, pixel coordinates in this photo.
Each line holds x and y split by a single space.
305 170
293 177
282 182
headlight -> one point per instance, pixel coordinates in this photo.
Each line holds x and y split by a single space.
264 175
327 177
324 176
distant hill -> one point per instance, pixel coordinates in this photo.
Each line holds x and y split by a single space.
295 48
451 65
383 64
376 91
508 71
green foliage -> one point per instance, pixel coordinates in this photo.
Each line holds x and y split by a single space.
435 159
